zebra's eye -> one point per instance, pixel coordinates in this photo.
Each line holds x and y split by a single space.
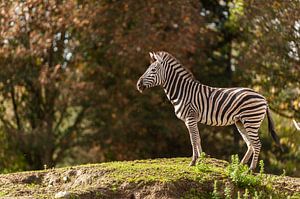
153 70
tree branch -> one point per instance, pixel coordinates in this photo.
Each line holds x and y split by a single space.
64 142
62 115
297 125
15 108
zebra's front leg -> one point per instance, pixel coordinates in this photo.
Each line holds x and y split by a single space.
195 140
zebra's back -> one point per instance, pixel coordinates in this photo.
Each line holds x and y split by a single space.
224 105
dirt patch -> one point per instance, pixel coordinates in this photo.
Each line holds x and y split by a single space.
288 184
163 190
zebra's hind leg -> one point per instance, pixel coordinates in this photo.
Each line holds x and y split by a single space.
245 137
252 133
256 147
195 139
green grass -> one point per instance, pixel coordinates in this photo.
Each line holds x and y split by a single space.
159 170
3 193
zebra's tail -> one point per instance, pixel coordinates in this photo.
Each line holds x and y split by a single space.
272 130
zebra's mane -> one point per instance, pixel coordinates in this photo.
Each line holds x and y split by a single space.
169 57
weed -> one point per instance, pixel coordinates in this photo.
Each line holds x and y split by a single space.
246 194
114 188
239 173
227 192
2 193
295 196
215 194
261 171
204 167
202 156
262 167
257 195
201 166
238 195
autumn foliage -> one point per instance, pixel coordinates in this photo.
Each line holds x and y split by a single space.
69 69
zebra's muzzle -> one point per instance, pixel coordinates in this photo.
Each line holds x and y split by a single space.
140 86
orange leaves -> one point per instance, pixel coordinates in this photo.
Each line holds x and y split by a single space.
126 7
296 104
276 5
186 19
81 22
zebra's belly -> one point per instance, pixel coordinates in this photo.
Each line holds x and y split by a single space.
183 114
216 122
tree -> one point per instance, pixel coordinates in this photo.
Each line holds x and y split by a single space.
268 58
42 101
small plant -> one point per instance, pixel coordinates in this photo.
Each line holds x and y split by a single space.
246 194
2 193
238 195
205 167
114 188
261 170
257 195
227 192
201 166
202 156
262 167
240 175
215 194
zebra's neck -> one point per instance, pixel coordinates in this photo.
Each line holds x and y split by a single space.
177 81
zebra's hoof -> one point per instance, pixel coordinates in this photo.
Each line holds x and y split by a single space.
244 162
193 163
251 168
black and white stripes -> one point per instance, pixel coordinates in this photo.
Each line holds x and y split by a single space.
194 102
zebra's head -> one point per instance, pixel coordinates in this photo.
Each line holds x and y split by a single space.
154 75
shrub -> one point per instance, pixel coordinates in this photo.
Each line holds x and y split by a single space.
240 174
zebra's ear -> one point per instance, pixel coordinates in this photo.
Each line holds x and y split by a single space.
152 58
157 57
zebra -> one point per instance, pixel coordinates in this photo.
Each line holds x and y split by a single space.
195 102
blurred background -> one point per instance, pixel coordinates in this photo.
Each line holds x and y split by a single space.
69 69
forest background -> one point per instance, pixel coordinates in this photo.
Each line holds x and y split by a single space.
69 69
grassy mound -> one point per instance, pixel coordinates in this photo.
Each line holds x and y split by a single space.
157 178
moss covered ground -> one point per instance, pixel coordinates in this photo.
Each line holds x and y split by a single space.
156 178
